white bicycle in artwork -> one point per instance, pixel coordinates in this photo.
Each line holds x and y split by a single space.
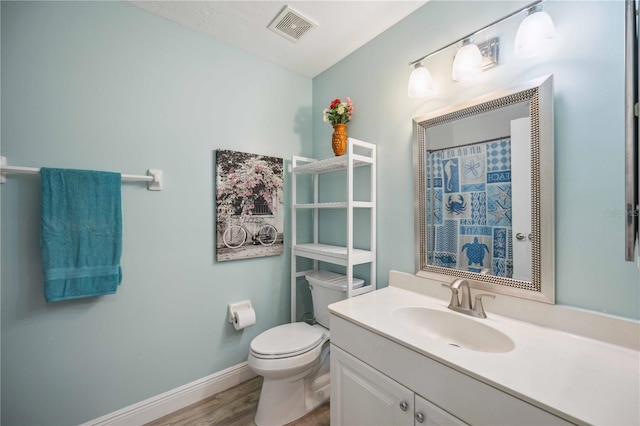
236 235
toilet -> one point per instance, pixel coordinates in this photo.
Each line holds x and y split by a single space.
294 358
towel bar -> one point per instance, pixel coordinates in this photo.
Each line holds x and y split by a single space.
153 178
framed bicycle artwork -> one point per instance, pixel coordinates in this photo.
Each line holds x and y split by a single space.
249 205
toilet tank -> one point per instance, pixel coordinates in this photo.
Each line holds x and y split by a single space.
327 288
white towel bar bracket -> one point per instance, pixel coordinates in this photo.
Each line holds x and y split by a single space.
156 183
153 177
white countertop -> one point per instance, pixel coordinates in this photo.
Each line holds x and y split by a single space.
580 379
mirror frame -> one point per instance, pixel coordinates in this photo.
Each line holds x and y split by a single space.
539 94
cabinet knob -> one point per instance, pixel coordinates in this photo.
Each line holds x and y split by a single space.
404 406
419 417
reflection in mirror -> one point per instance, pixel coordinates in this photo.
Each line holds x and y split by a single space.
484 191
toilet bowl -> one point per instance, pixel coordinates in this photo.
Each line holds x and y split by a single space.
289 357
294 358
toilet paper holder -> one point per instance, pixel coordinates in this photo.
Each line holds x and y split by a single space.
238 306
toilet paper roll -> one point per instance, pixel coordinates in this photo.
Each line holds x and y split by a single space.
244 317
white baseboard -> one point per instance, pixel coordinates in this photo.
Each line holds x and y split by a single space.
175 399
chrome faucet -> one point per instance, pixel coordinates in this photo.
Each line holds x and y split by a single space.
464 305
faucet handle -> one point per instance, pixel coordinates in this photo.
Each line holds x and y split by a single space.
478 309
455 302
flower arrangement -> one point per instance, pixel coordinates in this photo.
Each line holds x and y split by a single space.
243 184
338 112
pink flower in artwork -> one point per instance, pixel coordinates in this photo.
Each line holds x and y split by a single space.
243 185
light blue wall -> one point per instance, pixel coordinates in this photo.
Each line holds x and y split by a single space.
104 85
587 64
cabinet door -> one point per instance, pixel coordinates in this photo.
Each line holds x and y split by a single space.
361 395
428 414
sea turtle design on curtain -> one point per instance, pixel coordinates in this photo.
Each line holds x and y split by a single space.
475 252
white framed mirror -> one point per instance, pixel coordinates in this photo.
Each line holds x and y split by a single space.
484 192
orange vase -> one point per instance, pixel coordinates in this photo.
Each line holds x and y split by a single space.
339 139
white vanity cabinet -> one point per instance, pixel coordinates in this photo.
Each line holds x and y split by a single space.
372 375
430 414
361 395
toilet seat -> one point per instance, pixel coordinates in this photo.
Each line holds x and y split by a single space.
287 340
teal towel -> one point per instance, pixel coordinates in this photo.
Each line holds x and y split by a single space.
80 233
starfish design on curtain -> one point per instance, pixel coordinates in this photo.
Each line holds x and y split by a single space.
501 212
504 193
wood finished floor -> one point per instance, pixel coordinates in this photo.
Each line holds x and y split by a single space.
234 407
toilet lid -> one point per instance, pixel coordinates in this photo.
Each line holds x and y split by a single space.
287 340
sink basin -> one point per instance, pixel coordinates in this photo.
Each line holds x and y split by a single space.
454 329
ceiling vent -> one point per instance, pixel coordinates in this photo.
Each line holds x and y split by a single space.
291 25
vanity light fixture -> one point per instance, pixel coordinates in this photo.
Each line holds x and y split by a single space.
534 37
420 82
535 34
467 65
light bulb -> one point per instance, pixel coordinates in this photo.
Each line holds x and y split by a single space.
535 35
420 82
467 64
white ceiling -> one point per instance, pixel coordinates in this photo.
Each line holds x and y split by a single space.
343 26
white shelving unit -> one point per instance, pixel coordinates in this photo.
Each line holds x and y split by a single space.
347 255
